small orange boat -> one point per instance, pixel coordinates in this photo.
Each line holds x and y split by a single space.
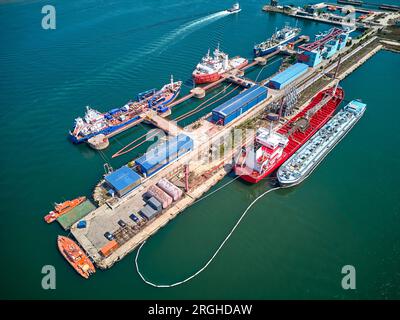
62 208
75 256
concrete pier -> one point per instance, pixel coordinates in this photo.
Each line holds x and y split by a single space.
198 92
203 175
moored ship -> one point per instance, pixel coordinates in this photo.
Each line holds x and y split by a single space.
62 208
303 162
212 67
279 38
271 148
115 120
75 256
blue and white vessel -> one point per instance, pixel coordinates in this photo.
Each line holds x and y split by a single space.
279 38
120 119
303 162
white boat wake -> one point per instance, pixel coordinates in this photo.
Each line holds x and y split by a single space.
180 33
118 67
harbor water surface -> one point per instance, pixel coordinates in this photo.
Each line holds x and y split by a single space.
293 243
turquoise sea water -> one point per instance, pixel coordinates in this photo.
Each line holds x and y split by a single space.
294 242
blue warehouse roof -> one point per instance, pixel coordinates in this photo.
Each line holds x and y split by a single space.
163 151
122 178
238 101
289 73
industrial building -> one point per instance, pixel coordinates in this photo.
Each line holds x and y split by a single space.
235 107
325 46
287 76
163 154
122 180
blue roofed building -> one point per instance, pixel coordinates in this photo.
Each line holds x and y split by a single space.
287 76
235 107
123 180
163 154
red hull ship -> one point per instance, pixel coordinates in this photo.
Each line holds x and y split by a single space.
63 208
75 256
211 68
274 148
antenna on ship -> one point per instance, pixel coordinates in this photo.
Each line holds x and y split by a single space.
172 79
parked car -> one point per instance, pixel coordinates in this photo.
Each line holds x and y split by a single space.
109 236
134 218
122 223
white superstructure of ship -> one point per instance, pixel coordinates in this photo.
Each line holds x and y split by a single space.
212 67
303 162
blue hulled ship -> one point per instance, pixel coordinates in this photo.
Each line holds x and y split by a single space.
279 38
119 119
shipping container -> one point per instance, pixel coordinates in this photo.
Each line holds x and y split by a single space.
163 154
155 204
170 189
160 195
235 107
287 76
109 248
148 212
123 180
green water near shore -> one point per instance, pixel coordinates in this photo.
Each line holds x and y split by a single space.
292 244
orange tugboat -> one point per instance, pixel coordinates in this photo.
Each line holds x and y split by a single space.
62 208
75 256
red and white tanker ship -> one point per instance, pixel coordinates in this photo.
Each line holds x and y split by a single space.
212 67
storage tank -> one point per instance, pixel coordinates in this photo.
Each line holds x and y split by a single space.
170 189
160 195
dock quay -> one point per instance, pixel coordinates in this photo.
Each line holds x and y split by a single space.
190 171
167 126
232 75
314 12
75 215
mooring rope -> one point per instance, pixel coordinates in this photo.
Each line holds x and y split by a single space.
267 65
212 257
195 110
